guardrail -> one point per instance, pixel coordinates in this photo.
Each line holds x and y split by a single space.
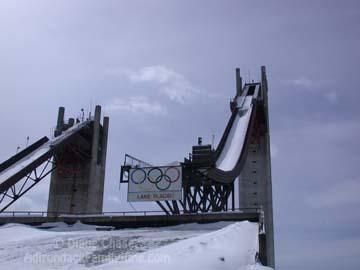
118 213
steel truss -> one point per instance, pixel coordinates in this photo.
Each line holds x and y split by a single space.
17 190
211 197
200 194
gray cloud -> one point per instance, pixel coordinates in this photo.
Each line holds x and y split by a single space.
341 194
138 104
171 83
302 81
332 96
323 87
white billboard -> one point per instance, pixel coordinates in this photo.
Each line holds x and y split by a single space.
155 184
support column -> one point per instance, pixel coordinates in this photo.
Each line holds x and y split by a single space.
104 142
60 122
77 183
255 184
269 224
238 82
53 190
93 192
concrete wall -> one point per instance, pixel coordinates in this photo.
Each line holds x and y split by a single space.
255 183
77 183
69 194
98 163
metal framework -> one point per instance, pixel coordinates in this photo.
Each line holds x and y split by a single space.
259 211
208 197
206 187
17 190
21 182
200 194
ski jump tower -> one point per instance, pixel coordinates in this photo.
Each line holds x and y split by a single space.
205 181
77 182
75 157
255 183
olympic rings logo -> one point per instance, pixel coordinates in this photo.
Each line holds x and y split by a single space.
162 178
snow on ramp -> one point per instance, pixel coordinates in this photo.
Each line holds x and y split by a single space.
27 160
18 166
236 138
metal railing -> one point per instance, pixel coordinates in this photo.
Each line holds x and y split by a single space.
118 213
133 161
67 124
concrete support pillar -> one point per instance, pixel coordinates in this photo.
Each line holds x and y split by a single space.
71 122
77 186
60 122
52 206
255 183
52 202
264 84
262 249
104 142
238 82
94 177
96 133
269 223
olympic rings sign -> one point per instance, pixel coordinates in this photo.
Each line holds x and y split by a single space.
147 183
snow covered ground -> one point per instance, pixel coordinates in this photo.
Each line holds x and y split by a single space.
221 245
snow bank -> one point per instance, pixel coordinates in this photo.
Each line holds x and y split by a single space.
190 246
19 232
63 227
233 247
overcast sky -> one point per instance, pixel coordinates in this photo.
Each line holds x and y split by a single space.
164 73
